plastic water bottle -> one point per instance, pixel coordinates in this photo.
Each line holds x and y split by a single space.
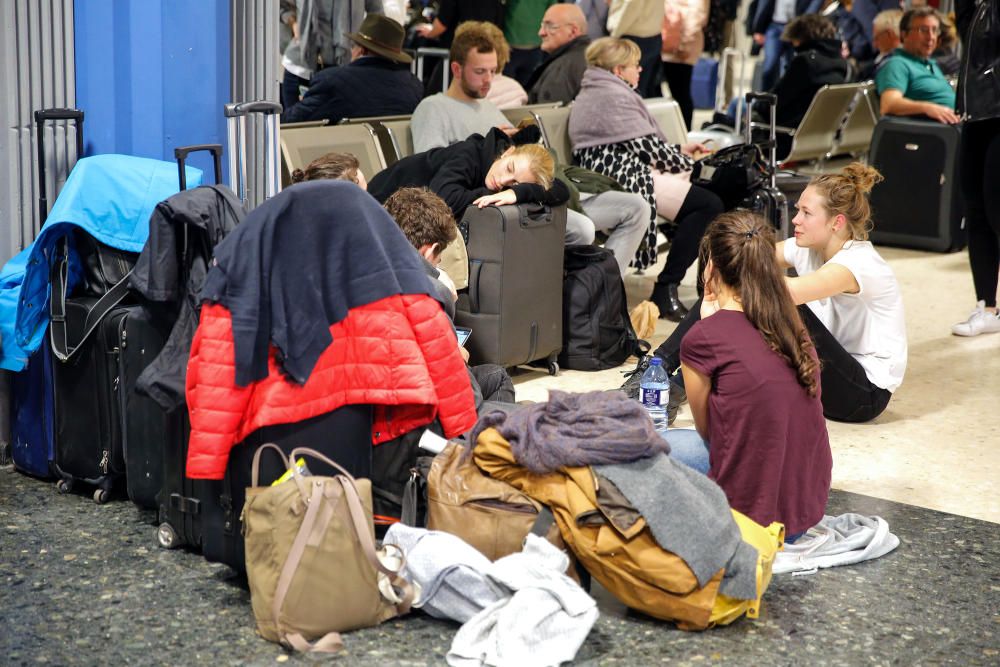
654 392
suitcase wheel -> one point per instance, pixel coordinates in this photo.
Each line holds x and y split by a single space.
166 536
553 365
64 486
101 496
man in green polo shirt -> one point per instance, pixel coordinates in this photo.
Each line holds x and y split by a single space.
911 83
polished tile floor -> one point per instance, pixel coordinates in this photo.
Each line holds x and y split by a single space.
937 445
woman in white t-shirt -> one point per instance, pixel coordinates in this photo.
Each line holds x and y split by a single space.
848 298
855 309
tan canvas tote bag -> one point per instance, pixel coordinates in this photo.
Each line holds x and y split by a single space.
311 561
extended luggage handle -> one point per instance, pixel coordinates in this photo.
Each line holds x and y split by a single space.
181 154
772 143
236 114
41 117
730 54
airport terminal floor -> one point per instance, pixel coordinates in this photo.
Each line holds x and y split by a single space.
87 585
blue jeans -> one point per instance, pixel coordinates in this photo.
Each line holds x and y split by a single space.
687 447
777 55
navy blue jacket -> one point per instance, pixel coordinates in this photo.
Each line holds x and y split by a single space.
368 86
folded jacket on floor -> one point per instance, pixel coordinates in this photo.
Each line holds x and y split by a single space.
837 540
450 574
543 620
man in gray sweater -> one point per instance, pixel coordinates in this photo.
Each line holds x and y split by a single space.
446 118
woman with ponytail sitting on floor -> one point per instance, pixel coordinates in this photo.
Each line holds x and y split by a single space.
850 300
753 382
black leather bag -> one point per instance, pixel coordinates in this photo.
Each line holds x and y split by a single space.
103 266
731 173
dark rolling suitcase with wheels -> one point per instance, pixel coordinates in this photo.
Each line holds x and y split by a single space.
140 333
31 394
87 412
177 498
514 301
105 431
344 435
919 204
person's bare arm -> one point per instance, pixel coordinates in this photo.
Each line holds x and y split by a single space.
779 251
431 30
698 385
829 280
892 103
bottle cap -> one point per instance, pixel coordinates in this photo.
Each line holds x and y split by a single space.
655 361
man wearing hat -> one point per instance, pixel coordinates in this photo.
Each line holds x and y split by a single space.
377 81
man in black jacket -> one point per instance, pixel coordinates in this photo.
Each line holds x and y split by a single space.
564 41
377 81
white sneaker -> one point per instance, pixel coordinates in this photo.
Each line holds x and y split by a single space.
980 321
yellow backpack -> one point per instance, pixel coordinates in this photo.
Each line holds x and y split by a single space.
767 541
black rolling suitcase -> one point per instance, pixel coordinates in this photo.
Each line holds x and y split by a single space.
83 331
344 435
514 301
140 333
767 198
919 204
188 510
177 500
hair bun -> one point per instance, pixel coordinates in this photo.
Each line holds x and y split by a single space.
861 176
298 176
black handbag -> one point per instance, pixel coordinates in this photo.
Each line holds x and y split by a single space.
731 173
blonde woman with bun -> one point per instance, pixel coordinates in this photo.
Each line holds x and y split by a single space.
854 307
847 297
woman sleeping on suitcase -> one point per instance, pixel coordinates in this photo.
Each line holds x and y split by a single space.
848 297
753 382
485 171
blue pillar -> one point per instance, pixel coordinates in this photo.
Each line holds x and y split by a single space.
152 75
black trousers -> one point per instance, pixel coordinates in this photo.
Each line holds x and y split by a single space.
678 78
980 178
649 78
846 392
700 207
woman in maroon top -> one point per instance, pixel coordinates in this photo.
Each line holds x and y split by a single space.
752 380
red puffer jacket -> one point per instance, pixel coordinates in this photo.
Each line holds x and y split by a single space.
398 353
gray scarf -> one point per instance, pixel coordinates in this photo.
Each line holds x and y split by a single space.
608 111
576 430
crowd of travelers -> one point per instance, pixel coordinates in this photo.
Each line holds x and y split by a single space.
760 357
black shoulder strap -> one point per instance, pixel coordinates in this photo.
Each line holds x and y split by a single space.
58 276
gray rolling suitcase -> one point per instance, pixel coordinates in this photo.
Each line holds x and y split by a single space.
514 301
